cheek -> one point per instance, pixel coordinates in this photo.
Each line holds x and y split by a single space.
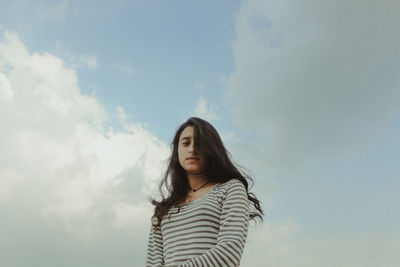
180 155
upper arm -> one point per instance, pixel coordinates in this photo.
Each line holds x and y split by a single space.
155 254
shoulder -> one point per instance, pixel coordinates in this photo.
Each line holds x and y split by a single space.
232 185
233 195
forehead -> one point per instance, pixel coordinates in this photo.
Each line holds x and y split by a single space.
187 133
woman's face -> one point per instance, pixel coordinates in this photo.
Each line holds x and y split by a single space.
190 161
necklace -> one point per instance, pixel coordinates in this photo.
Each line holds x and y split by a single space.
194 190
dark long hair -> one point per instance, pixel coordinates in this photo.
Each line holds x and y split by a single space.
219 169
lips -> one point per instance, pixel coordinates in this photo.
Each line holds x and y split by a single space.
192 158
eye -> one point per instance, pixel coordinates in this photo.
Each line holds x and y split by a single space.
186 143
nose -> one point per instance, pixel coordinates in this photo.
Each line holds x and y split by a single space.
191 148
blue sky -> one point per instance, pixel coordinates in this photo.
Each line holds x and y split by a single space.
146 55
304 94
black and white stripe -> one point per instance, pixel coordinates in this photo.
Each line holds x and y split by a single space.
210 231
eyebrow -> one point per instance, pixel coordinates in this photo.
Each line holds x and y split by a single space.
185 138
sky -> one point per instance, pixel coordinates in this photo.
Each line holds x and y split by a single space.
305 94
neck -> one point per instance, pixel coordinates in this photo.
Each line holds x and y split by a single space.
196 180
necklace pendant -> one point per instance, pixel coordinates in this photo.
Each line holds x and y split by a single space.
194 190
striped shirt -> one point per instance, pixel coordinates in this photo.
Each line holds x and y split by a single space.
210 231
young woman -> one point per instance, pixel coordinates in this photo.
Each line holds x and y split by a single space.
204 219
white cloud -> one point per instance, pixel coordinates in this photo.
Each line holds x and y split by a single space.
5 87
126 216
281 245
314 80
62 173
55 12
8 180
319 79
123 67
121 115
90 61
205 111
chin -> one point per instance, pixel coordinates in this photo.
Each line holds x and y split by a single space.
197 172
193 171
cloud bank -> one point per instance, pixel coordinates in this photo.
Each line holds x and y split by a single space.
69 188
316 77
282 245
316 81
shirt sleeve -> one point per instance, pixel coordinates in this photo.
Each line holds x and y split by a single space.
155 255
232 233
